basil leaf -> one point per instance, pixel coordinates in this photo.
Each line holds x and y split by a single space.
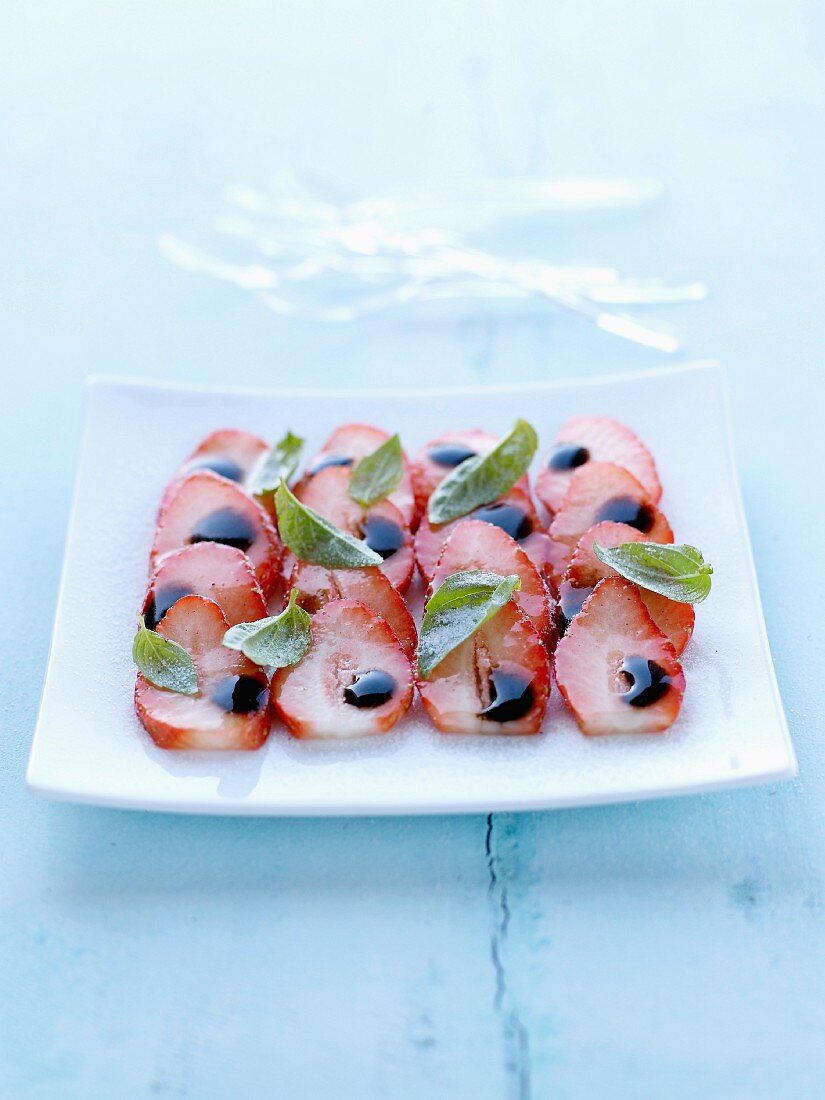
163 662
376 475
314 539
678 572
278 641
457 609
281 463
483 478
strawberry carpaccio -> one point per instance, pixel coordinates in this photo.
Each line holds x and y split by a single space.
613 648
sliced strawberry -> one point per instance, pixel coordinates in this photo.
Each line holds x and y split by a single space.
497 681
229 453
586 439
585 569
601 491
355 679
514 513
615 668
382 526
318 586
674 619
221 573
440 456
477 545
207 508
343 449
231 708
548 556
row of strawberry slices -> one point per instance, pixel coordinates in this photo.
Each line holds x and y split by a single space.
218 562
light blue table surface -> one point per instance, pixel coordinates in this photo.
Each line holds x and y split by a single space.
670 949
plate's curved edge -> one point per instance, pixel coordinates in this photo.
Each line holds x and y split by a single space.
115 381
420 809
753 579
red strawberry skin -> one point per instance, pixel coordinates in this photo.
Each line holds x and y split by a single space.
201 721
508 649
352 442
221 573
603 659
227 452
318 586
587 439
327 493
602 491
514 509
477 545
191 516
349 643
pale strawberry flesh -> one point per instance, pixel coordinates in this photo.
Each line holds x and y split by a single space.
354 681
497 681
603 492
318 586
231 708
206 508
514 513
586 439
617 671
345 447
221 573
474 544
381 526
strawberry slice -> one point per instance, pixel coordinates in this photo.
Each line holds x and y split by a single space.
676 620
601 491
344 448
585 569
354 681
318 586
229 453
616 670
206 507
440 456
221 573
381 526
586 439
231 708
497 681
477 545
514 513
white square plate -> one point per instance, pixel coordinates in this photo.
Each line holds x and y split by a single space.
89 746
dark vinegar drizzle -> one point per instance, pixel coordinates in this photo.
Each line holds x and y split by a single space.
508 517
629 511
450 454
240 694
370 689
382 535
647 680
225 526
161 600
511 697
567 456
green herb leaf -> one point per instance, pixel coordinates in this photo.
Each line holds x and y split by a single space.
163 662
278 641
483 478
312 538
678 572
456 610
280 464
376 475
